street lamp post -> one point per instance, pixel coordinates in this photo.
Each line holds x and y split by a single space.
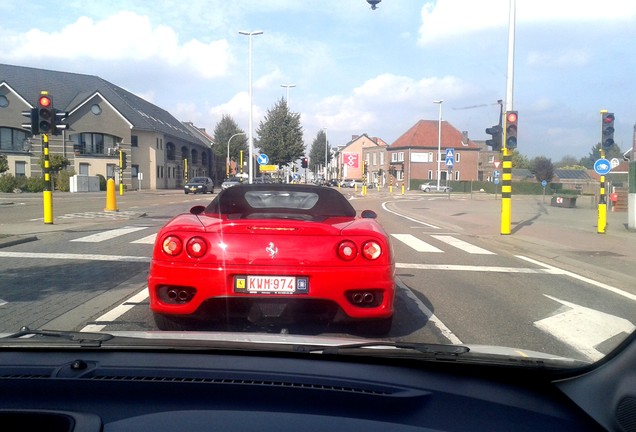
326 150
439 141
227 170
250 138
287 86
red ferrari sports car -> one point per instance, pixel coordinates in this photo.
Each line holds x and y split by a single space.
273 253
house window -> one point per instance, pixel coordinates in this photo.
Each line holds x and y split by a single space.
382 158
394 157
13 139
170 150
134 170
457 157
430 174
134 141
20 169
375 159
93 143
457 175
110 170
83 169
400 156
430 157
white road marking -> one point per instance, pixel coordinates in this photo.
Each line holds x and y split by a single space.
601 285
432 318
416 243
473 268
406 217
118 311
583 328
74 257
460 244
147 240
107 235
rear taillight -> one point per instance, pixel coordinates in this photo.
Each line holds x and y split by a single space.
172 245
347 250
196 247
371 250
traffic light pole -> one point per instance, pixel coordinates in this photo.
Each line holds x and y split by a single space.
506 191
47 194
602 202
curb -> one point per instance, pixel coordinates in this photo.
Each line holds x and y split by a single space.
13 240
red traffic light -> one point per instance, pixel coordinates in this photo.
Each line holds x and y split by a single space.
608 118
511 117
45 101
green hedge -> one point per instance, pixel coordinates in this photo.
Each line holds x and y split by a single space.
521 188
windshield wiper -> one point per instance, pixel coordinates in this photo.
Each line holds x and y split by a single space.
83 339
387 347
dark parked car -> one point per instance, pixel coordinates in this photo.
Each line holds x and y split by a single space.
199 185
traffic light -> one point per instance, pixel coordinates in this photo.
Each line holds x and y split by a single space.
304 162
607 130
511 129
495 141
122 159
364 167
59 121
34 121
45 113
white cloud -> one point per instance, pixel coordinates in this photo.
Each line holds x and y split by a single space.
560 59
124 36
452 18
381 103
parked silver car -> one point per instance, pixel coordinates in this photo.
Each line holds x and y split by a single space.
432 187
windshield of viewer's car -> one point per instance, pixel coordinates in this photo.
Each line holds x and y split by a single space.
438 172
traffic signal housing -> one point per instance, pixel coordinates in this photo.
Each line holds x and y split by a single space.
495 141
123 163
45 114
607 129
59 121
511 129
304 162
33 124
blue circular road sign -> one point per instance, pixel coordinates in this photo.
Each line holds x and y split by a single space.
602 166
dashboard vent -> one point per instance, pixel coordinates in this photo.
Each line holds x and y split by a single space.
247 382
626 414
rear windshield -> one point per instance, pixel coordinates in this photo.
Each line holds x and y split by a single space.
265 199
281 199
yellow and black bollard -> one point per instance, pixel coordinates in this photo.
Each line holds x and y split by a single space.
47 194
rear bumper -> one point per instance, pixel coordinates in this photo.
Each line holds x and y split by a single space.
326 284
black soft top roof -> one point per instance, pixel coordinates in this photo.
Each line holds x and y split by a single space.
246 199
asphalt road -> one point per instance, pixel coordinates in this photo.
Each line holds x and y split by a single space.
553 285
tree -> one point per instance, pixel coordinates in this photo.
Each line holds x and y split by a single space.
56 163
542 168
520 161
614 151
223 131
567 162
4 164
280 135
318 149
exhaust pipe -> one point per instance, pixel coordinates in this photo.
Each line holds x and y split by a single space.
368 298
183 295
357 298
172 294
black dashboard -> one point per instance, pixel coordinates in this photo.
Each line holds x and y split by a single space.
193 391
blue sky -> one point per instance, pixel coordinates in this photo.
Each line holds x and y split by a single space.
355 70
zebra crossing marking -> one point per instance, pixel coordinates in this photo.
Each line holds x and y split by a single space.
416 243
146 240
107 235
461 244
